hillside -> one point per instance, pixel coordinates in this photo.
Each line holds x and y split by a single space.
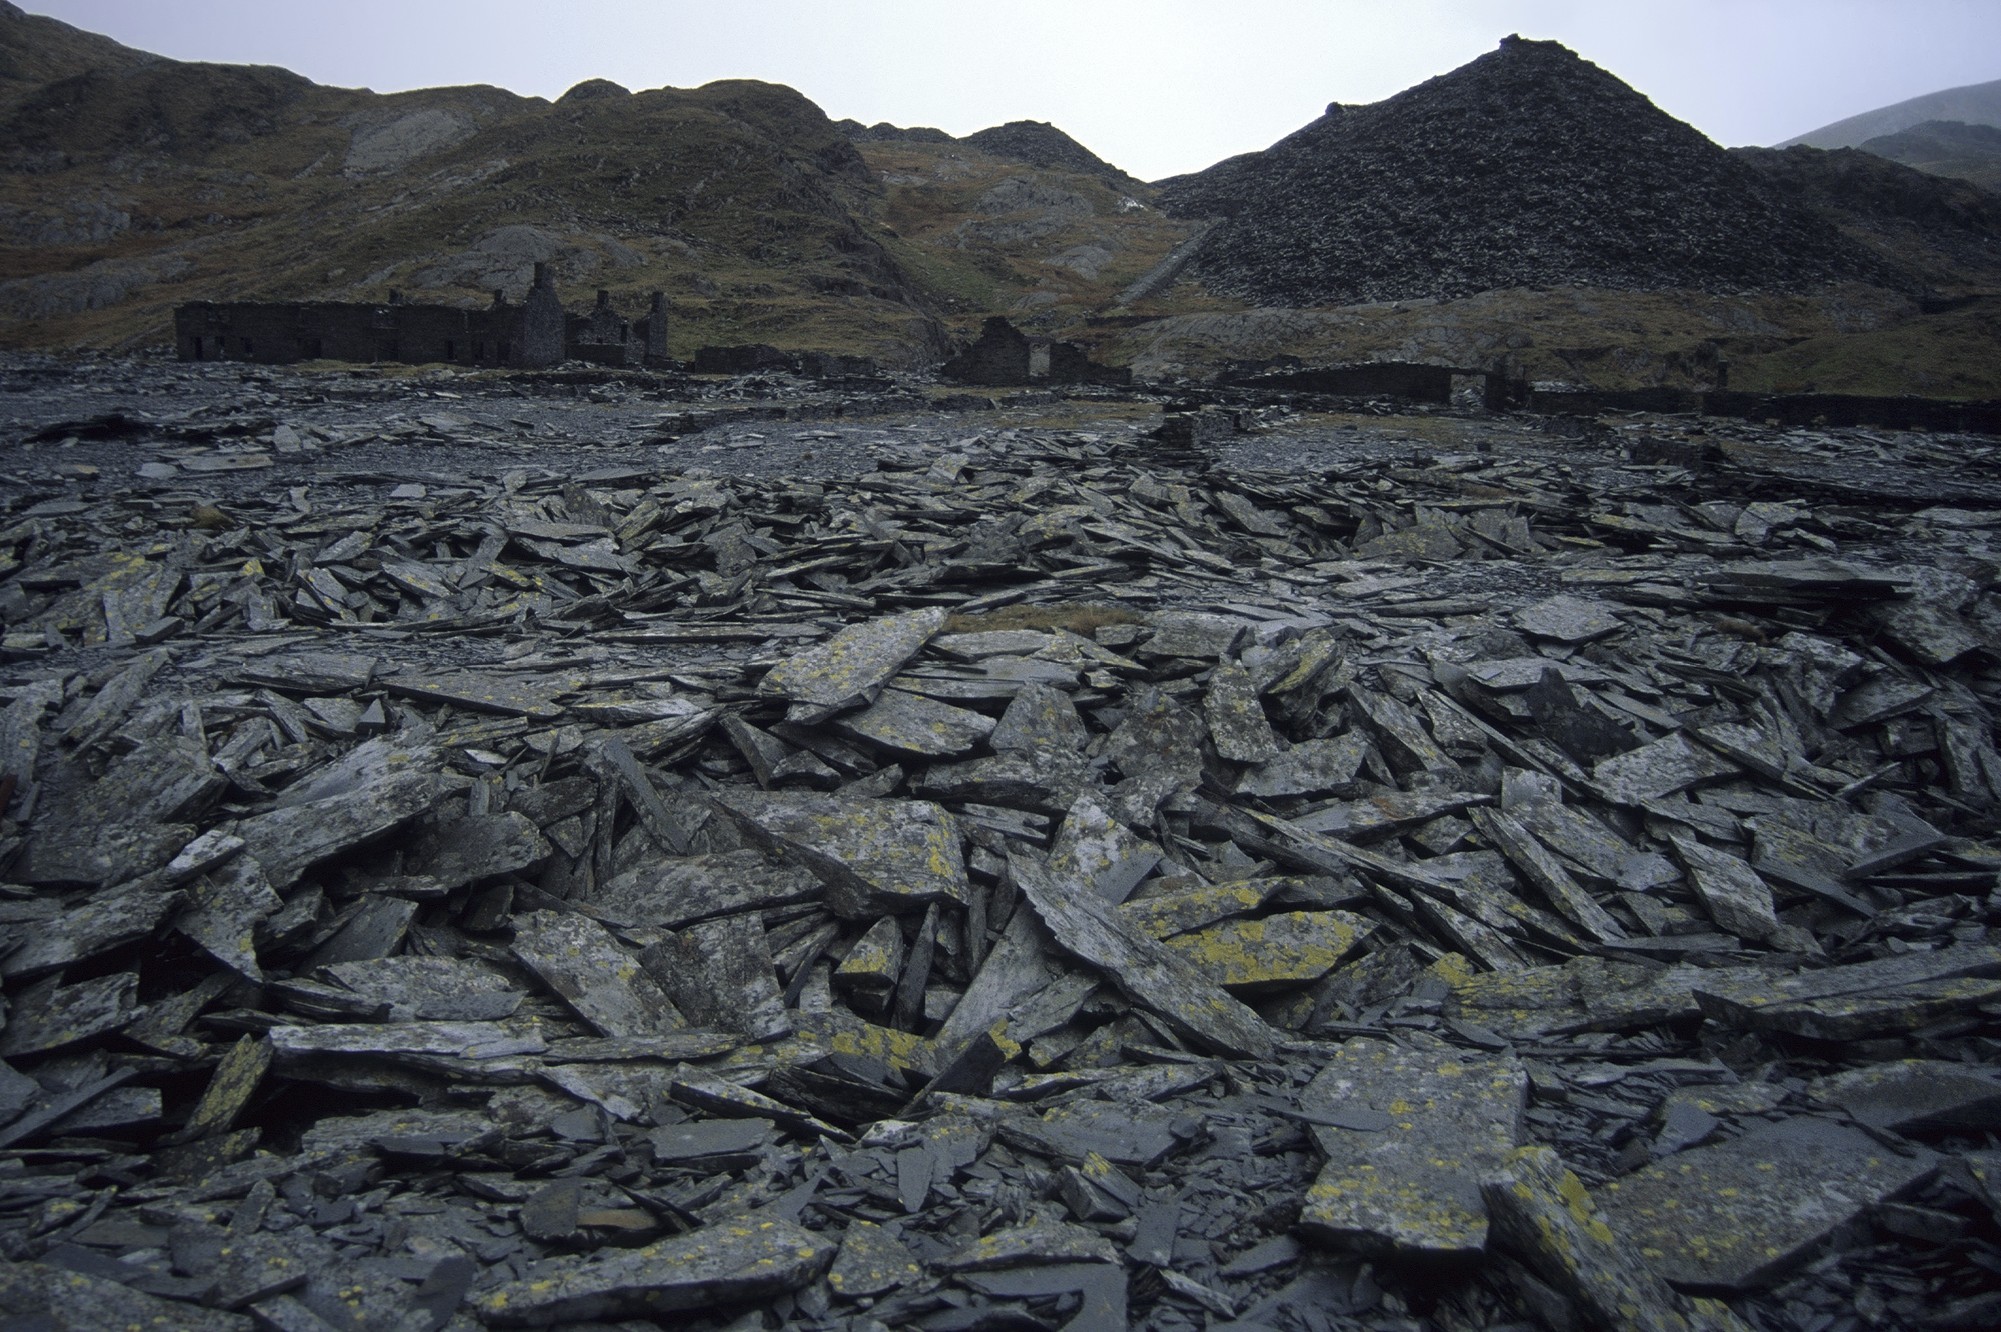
1945 231
130 185
1528 167
1946 148
1528 211
1974 104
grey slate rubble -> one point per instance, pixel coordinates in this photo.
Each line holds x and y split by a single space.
999 875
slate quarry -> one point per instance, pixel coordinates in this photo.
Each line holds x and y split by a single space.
598 850
1529 167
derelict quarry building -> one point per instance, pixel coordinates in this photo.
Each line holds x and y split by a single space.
535 333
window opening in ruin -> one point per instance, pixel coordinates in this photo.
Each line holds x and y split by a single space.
1038 361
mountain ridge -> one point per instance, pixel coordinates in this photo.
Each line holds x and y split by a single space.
1973 103
130 183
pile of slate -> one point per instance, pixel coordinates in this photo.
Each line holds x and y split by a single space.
1528 167
1034 883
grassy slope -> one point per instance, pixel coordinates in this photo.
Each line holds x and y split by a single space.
738 198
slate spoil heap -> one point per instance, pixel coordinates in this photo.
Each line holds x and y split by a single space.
1529 167
1026 879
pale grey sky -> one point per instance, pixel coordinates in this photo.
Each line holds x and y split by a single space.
1157 87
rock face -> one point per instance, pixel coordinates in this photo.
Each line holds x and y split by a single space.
1528 167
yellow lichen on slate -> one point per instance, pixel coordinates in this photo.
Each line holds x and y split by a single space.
1288 949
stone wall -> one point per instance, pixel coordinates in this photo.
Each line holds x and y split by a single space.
532 335
1004 355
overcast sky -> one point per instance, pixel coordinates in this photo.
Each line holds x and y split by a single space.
1157 87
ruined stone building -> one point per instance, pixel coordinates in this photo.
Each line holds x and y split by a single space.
535 333
1005 355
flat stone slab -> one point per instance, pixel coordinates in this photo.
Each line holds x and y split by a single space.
591 972
290 840
443 989
1915 1096
1290 948
1237 723
1170 914
531 696
913 724
850 669
1660 769
1739 901
1150 973
1308 768
43 1295
875 856
1409 1135
679 890
1739 1214
1861 999
1567 619
872 1261
1541 1211
732 1262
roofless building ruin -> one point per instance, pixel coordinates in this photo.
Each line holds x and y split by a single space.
535 333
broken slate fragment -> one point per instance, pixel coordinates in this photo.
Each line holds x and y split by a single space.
42 1295
531 696
1411 1185
1541 1211
289 841
737 1261
457 851
1567 619
592 973
224 909
1889 994
1738 1214
1660 769
1310 767
1542 869
1237 723
1738 900
442 989
850 669
719 974
1149 973
875 856
1041 721
1032 1244
46 1017
1290 948
872 1262
678 890
1915 1096
912 724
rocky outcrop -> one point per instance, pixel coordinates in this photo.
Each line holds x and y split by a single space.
1529 167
